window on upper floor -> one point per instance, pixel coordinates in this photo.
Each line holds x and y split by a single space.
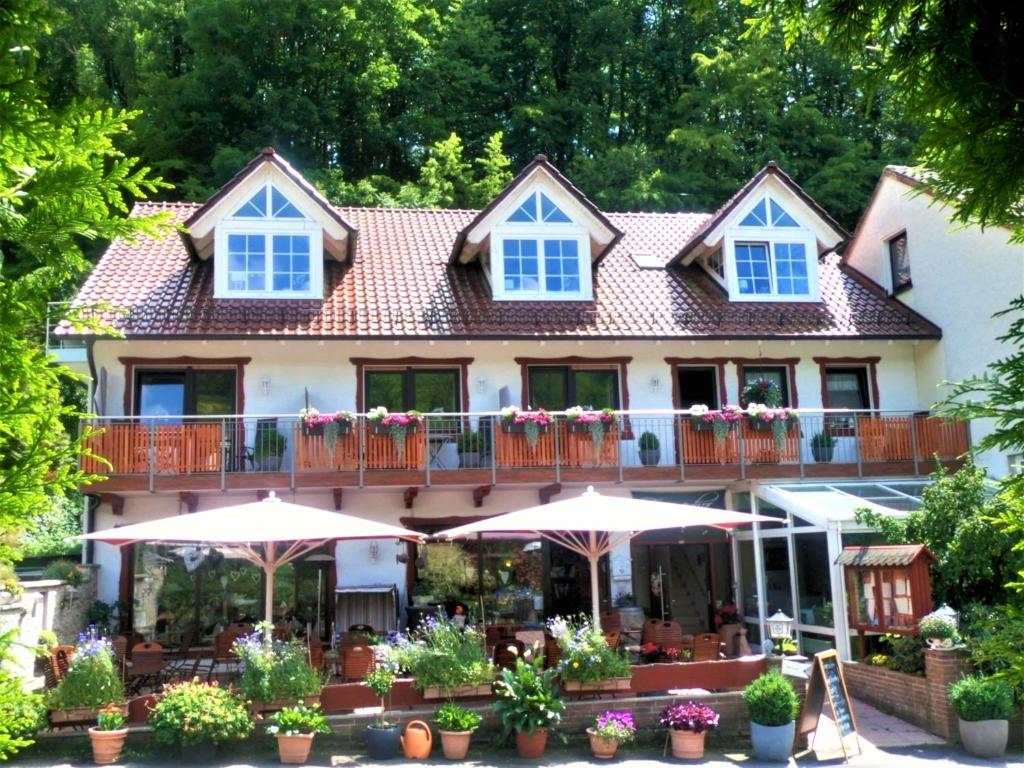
777 374
899 263
773 258
267 248
556 388
539 252
421 389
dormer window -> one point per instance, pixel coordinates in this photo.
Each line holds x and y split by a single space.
267 248
539 252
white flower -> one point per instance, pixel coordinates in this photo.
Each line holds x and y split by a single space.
756 409
574 413
378 413
509 412
308 413
699 410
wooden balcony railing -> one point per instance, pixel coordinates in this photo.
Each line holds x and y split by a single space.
643 445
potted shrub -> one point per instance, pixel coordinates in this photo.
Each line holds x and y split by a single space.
688 724
108 735
275 673
940 634
382 737
294 728
610 730
470 447
92 682
587 663
823 444
773 706
456 725
984 706
447 660
650 449
528 705
196 717
267 452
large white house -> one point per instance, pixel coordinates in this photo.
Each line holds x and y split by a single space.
272 300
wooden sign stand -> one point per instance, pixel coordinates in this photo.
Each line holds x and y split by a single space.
826 679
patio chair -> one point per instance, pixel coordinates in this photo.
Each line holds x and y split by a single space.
356 662
552 651
611 621
506 652
613 638
707 647
224 657
145 670
666 634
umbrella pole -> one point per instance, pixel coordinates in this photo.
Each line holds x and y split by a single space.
269 567
595 597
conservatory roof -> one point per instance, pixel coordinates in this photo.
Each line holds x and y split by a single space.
832 504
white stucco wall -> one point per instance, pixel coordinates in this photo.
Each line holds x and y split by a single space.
961 277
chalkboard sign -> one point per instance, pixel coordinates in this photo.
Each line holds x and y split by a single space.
827 680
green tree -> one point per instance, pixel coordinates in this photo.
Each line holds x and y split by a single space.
63 183
957 64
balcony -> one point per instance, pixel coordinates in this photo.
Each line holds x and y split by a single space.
256 452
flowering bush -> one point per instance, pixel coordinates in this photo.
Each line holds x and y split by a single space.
586 657
654 654
727 614
446 655
92 680
398 424
195 713
619 726
532 421
527 698
689 716
110 718
380 680
274 669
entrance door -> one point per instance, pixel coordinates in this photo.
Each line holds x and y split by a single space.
698 385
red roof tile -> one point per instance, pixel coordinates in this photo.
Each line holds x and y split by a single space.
401 284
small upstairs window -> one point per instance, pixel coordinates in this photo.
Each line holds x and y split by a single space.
268 249
899 263
539 252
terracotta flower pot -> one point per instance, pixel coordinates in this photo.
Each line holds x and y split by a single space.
455 744
294 749
602 747
531 745
687 744
107 745
417 740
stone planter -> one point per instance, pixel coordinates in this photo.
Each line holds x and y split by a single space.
455 744
80 715
531 745
984 738
602 747
615 684
773 743
729 633
650 457
688 745
940 643
294 749
822 453
458 692
107 745
383 743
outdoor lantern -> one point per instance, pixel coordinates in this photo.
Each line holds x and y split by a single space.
779 626
948 615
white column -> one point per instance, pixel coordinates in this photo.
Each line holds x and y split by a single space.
762 619
840 614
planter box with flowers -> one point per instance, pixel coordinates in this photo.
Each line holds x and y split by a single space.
525 439
326 440
592 437
395 440
709 435
587 664
778 421
91 684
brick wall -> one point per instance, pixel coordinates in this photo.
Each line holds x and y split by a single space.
941 669
896 693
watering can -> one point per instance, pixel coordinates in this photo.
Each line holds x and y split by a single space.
417 740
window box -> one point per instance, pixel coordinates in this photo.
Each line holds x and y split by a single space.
385 429
583 427
514 428
317 430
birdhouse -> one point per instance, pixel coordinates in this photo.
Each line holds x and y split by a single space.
888 588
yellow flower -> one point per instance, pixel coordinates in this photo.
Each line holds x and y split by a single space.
575 665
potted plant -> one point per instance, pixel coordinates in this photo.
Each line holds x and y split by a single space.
447 660
580 420
610 730
940 634
822 446
531 423
382 737
267 452
587 663
688 724
722 422
779 421
196 717
650 449
470 447
528 705
331 425
294 728
763 391
773 706
108 735
456 725
92 682
397 425
275 673
984 706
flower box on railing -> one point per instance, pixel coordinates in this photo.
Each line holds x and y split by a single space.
578 420
387 429
581 427
514 428
314 423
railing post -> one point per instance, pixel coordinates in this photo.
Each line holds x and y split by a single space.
492 421
225 453
619 427
856 443
913 444
152 456
361 458
296 434
741 449
558 451
426 445
800 445
682 447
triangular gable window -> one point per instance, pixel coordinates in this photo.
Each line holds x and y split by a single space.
525 212
780 218
768 213
758 216
551 212
280 206
539 208
256 208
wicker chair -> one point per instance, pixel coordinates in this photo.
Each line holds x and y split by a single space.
707 647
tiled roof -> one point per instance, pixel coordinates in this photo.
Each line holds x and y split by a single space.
401 284
896 554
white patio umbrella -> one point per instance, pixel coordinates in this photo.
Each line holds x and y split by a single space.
253 532
593 525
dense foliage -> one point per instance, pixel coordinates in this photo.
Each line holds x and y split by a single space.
300 719
981 698
275 669
455 719
586 657
650 106
197 713
527 698
442 653
771 699
93 679
995 636
22 714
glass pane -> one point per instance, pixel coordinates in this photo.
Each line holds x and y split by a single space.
521 266
291 262
846 389
214 392
748 579
549 388
776 577
436 391
791 269
758 216
282 206
899 260
246 260
773 373
752 268
525 212
384 388
551 212
161 394
255 208
780 218
596 389
813 581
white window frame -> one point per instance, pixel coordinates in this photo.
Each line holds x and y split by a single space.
539 232
268 228
772 237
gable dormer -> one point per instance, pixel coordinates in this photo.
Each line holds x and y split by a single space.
540 239
764 244
268 232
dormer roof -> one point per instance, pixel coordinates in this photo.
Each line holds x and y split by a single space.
268 167
540 173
